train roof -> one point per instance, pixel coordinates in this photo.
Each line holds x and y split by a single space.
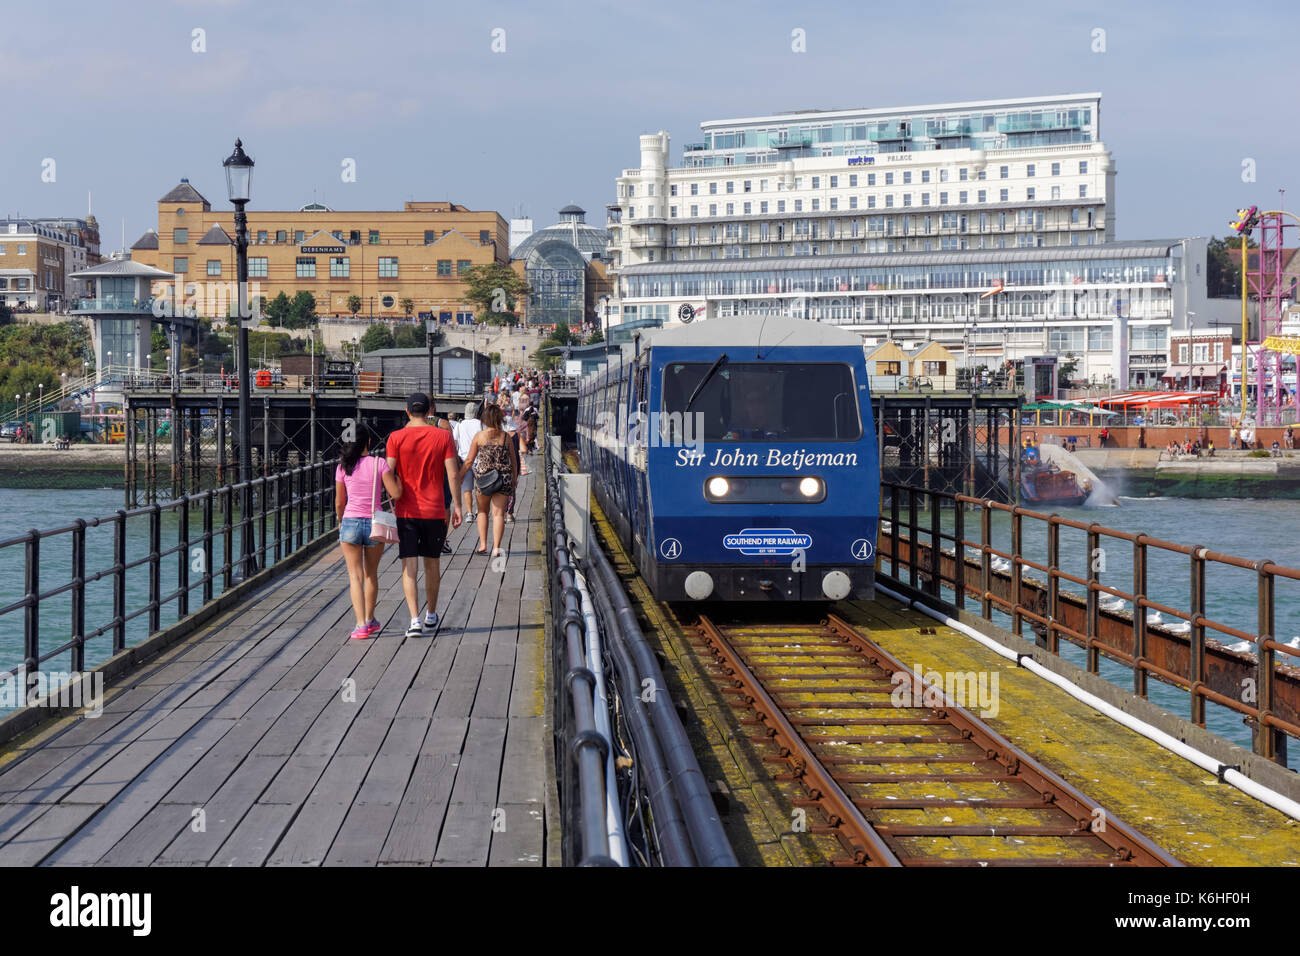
752 332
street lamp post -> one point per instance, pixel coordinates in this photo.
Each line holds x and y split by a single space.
239 177
430 328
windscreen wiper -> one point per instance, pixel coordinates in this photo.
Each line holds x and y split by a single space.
717 364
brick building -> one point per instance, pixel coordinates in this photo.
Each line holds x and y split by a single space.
382 256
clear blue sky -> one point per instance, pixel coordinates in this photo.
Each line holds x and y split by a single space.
113 92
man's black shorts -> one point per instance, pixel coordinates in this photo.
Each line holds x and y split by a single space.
421 537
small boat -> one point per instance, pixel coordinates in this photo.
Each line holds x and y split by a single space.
1050 485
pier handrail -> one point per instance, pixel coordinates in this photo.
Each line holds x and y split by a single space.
1188 653
297 502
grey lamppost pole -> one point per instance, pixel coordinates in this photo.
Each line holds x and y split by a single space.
239 177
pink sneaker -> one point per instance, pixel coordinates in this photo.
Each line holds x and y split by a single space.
374 627
361 632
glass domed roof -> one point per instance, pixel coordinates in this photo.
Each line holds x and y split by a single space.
573 229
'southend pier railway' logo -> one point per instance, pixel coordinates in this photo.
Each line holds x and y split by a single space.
767 541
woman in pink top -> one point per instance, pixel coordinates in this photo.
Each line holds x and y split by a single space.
359 484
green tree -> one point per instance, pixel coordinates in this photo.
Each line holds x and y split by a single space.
596 337
278 310
494 358
302 311
408 337
408 306
6 314
354 305
377 336
493 288
1222 272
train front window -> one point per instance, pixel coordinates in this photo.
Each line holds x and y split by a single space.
762 401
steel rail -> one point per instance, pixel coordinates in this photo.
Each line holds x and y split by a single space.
1127 843
847 823
993 758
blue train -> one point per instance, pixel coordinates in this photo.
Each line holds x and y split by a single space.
737 460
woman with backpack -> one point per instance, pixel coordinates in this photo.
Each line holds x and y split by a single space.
496 470
359 484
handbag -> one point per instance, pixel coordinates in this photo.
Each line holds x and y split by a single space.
383 524
490 482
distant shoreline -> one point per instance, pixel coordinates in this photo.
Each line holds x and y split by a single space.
79 467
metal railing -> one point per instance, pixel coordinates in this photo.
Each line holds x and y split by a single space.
581 745
669 814
931 560
362 383
293 508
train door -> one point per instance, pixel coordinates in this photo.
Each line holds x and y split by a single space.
638 443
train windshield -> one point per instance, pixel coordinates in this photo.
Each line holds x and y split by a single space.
763 401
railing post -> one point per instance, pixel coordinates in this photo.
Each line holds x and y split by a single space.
291 504
311 502
1016 551
913 546
1196 636
207 545
986 561
155 566
32 615
183 559
261 520
959 551
119 581
936 549
227 536
277 489
78 662
1139 616
1093 660
894 531
1054 583
1266 738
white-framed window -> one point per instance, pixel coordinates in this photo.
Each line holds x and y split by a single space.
305 267
214 267
388 267
1083 192
340 267
257 267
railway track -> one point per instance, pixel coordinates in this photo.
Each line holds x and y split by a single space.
892 768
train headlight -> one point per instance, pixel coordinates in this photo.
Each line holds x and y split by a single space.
718 487
810 487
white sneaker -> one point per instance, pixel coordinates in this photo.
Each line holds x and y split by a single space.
414 629
430 620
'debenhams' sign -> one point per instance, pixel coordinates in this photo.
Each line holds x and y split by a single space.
322 250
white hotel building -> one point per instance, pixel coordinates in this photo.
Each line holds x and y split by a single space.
986 226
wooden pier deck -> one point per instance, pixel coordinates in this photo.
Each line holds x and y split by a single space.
271 738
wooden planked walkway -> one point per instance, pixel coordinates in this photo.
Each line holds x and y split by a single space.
269 737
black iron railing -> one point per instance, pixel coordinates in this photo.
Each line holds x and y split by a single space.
292 509
942 545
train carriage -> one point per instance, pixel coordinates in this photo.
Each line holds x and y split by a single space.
737 460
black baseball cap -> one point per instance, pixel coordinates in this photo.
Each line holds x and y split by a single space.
417 403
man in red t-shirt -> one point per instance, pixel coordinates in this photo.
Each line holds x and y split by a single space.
424 459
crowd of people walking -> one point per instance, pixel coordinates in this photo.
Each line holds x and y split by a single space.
438 472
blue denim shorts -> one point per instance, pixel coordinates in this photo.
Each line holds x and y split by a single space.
356 531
